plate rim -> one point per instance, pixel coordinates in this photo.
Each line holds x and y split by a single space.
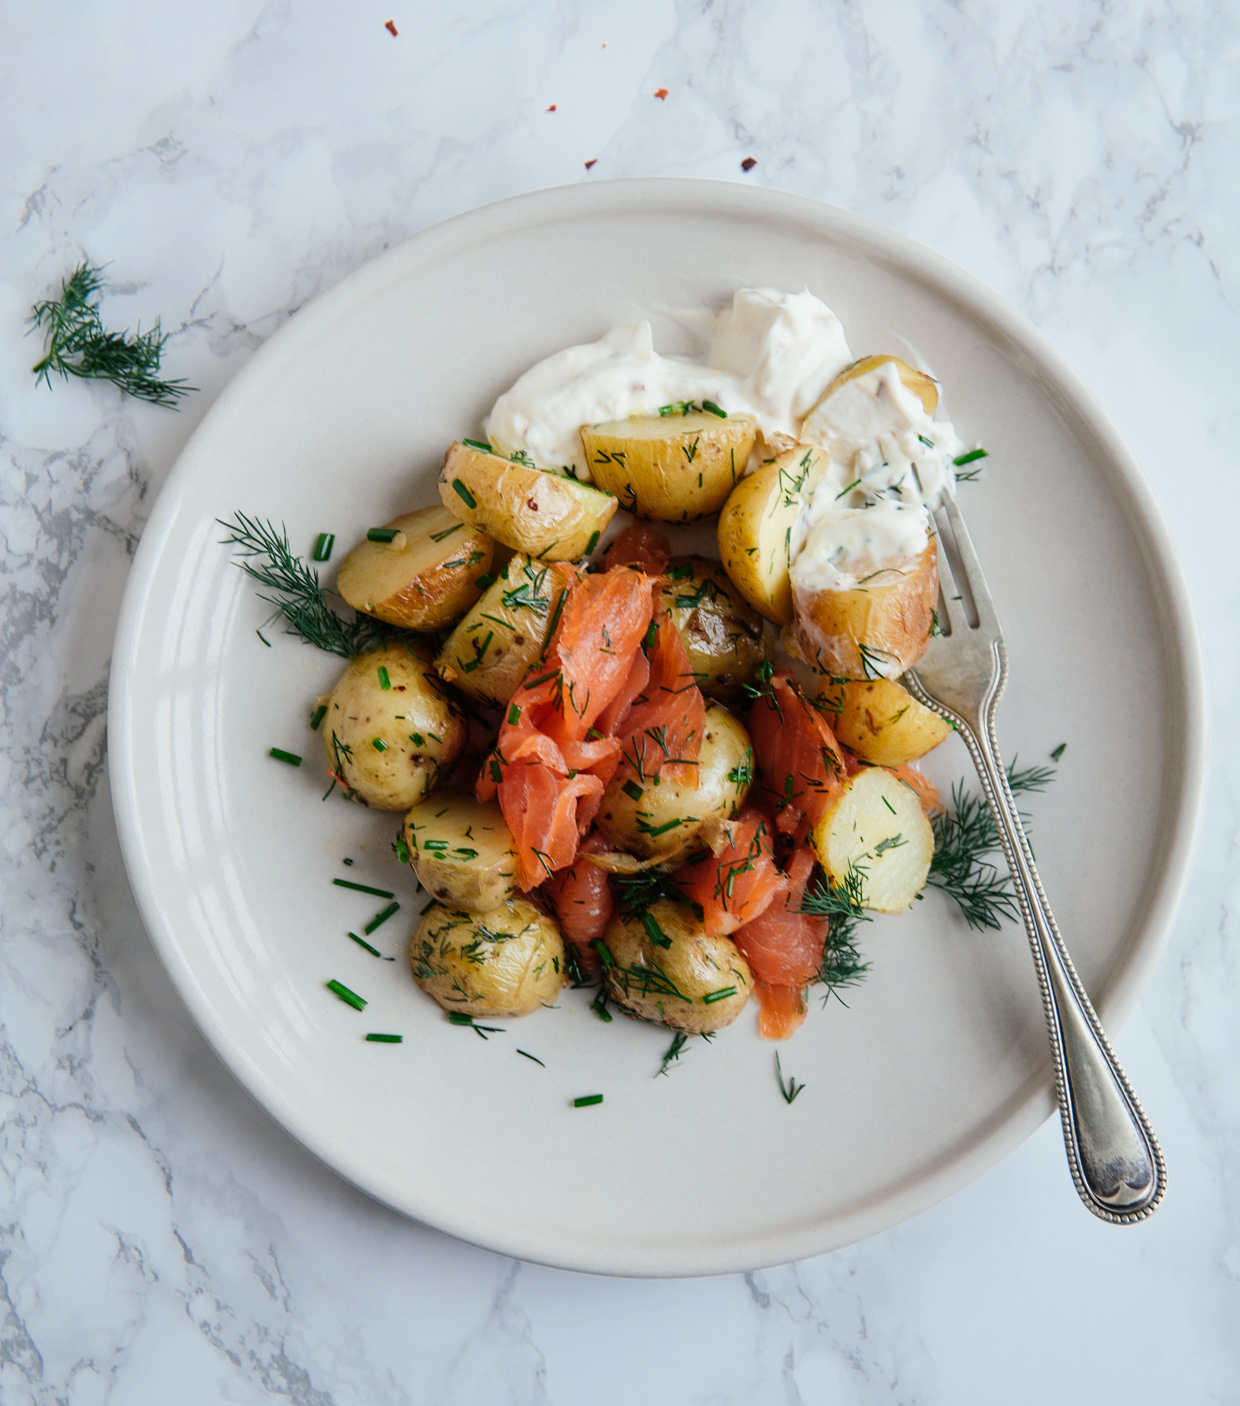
1177 630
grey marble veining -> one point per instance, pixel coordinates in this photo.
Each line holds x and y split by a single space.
161 1240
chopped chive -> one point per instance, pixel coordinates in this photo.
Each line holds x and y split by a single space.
599 1007
459 1018
382 534
659 829
961 459
632 790
433 845
317 717
592 543
263 637
601 948
362 888
466 496
379 744
478 444
542 678
587 1100
428 908
323 547
666 410
712 409
488 580
555 615
385 679
282 756
713 996
386 1039
380 918
447 532
361 942
656 934
535 1058
652 631
496 774
349 862
514 714
350 998
417 739
1059 751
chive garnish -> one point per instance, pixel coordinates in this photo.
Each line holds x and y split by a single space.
592 543
466 496
382 534
447 532
323 547
535 1058
385 1039
599 1007
350 998
363 888
587 1100
417 739
282 756
1059 751
478 444
652 631
347 861
379 744
459 1018
712 409
380 918
488 580
712 996
514 714
656 934
361 942
385 679
317 717
602 949
632 790
961 459
542 678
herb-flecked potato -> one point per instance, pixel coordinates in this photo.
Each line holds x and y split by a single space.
461 850
877 827
873 631
757 525
926 388
661 966
660 822
507 962
881 722
422 580
723 635
671 468
390 730
545 515
492 648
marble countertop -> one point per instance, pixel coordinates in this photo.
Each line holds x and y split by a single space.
161 1239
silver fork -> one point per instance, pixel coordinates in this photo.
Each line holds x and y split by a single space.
1114 1156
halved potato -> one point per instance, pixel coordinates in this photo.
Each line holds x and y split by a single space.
545 515
670 468
661 966
461 851
924 387
757 524
390 731
507 962
881 722
877 828
723 635
660 822
867 632
492 648
422 580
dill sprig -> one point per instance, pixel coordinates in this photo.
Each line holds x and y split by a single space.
294 590
964 838
635 893
76 343
841 903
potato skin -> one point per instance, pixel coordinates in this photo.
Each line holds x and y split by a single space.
722 633
879 721
725 772
525 596
877 825
424 584
756 525
542 514
693 965
421 729
670 468
505 963
873 631
462 851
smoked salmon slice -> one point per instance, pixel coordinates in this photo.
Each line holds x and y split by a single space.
781 1009
782 945
661 734
801 766
735 885
582 900
640 545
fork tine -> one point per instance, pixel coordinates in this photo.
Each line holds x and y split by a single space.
987 616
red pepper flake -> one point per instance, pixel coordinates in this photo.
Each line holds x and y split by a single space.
551 108
748 164
390 26
660 92
591 163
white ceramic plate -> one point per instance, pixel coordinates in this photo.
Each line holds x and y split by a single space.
939 1066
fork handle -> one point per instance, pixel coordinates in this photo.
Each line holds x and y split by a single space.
1115 1159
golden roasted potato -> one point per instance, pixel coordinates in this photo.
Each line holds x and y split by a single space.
507 962
390 730
661 966
545 515
881 722
425 578
659 822
757 524
924 387
461 850
723 635
670 468
492 648
878 828
873 631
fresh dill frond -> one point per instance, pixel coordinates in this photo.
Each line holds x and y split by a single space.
789 1087
636 893
841 903
293 589
76 343
674 1050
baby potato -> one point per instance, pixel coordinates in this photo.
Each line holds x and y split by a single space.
660 822
723 635
757 524
545 515
661 966
425 578
507 962
461 850
492 648
878 828
390 730
881 722
926 388
670 468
